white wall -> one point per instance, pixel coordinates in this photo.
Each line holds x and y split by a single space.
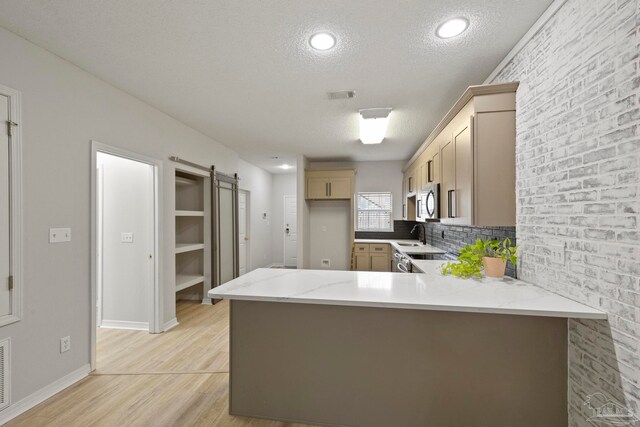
283 185
127 271
63 109
303 247
258 182
375 176
330 234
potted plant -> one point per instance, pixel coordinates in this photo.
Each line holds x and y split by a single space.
492 255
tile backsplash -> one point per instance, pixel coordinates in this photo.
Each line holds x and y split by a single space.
401 230
450 238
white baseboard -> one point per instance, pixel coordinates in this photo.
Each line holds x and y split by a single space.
121 324
189 297
170 324
44 393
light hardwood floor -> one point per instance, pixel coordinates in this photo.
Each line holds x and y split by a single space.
178 378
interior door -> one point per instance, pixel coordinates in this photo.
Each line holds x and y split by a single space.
5 266
242 232
290 232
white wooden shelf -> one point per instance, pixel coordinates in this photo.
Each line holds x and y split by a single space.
190 213
188 247
185 181
184 281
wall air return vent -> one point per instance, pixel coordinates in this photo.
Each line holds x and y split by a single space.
342 94
5 384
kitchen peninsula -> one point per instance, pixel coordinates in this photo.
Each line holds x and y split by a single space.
380 349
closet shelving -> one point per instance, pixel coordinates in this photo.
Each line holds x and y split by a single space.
190 230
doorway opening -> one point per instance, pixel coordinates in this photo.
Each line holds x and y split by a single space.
290 232
125 200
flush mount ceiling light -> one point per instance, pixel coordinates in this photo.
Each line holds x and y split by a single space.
285 167
322 41
452 28
373 125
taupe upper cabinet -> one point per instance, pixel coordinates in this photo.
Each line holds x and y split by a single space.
471 153
330 184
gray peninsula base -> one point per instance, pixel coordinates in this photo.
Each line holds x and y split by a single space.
362 366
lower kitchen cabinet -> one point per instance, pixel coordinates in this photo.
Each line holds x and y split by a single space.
371 257
380 262
363 262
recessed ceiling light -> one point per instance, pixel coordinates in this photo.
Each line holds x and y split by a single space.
452 28
285 166
322 41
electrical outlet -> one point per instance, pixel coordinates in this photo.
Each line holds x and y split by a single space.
126 237
65 344
556 253
325 263
59 235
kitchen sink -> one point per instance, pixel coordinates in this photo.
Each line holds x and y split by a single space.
407 244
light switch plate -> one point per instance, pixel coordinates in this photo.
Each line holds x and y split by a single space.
126 237
59 235
65 344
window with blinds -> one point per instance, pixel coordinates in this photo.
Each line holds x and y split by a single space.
373 212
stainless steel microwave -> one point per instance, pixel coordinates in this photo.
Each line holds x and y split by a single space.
430 202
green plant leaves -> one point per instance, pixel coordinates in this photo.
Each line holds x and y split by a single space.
469 263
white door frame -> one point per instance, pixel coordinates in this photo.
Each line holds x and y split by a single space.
155 293
284 226
247 209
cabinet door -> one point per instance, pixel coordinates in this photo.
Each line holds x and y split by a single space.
424 176
380 262
404 199
494 146
317 188
463 195
340 188
447 184
435 168
363 262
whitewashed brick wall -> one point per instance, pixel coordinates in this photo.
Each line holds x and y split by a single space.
578 174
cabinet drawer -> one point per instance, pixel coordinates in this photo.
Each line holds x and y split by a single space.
362 247
379 248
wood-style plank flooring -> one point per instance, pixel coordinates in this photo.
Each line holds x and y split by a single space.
178 378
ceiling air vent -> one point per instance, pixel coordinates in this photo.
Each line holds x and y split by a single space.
342 94
4 374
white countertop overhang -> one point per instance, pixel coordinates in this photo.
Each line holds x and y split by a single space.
425 291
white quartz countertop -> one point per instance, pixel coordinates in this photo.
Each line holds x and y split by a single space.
427 291
406 246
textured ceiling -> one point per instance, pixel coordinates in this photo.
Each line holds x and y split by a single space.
242 71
